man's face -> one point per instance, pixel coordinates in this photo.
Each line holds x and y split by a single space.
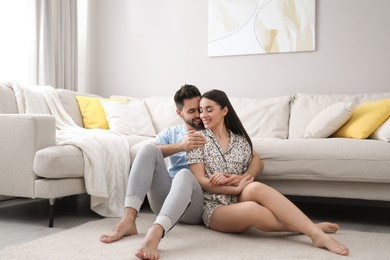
190 113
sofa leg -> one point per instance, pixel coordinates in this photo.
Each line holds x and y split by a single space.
51 212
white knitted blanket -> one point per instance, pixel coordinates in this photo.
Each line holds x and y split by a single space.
106 154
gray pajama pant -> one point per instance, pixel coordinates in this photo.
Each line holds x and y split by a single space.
180 199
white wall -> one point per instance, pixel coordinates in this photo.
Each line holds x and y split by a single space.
147 48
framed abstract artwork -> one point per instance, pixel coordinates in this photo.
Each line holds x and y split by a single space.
240 27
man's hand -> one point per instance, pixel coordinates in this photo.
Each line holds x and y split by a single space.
192 140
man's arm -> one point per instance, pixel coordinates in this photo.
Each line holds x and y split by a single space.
190 141
255 166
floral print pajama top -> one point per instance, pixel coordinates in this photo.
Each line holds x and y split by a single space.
234 161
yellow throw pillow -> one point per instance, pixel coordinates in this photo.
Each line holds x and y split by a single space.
93 112
365 119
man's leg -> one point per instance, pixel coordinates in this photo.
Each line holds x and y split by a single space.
148 172
148 175
184 203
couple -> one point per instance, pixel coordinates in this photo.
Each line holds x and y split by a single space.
211 178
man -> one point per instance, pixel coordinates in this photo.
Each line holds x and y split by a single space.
173 194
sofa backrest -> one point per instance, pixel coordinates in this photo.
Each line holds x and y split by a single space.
304 107
260 117
7 100
264 117
162 111
68 100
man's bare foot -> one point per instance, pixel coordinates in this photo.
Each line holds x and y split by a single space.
125 227
325 241
328 227
149 248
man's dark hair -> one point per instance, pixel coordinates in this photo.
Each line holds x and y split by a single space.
185 92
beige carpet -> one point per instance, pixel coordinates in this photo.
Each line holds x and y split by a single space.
193 242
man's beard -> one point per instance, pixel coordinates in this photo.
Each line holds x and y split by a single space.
193 124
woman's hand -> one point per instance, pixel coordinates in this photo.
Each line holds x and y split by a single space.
232 179
227 179
218 179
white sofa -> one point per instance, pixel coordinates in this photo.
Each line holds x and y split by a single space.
31 165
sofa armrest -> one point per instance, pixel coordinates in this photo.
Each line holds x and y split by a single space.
21 136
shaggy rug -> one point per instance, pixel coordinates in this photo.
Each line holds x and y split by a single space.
194 242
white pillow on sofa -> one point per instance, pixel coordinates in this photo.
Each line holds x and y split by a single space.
382 132
329 120
127 118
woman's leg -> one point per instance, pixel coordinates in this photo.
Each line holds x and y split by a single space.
239 217
268 210
292 218
287 213
251 193
262 218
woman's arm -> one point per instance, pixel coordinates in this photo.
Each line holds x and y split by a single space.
197 170
255 167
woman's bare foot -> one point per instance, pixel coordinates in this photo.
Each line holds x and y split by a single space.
328 227
149 248
125 227
325 241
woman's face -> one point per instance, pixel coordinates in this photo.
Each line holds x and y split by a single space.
211 113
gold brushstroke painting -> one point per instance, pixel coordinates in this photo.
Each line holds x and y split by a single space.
240 27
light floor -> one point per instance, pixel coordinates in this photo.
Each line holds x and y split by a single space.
23 220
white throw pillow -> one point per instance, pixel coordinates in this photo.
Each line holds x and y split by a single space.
127 118
382 132
329 120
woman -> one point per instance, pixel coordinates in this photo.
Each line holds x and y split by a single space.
234 209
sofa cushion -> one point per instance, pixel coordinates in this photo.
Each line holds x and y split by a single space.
92 111
68 100
130 117
304 107
168 117
365 119
264 117
63 161
331 159
8 101
329 120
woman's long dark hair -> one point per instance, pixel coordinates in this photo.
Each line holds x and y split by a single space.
232 121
